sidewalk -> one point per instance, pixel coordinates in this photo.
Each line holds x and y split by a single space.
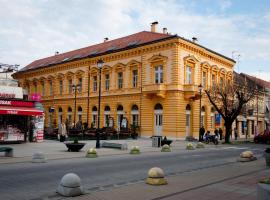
233 181
54 150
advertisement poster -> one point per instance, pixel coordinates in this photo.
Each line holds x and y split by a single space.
217 120
39 128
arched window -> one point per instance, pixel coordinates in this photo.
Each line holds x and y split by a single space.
60 110
135 115
203 117
188 120
69 115
94 117
158 106
120 108
60 116
188 107
107 112
80 113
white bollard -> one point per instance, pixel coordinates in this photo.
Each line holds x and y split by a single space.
38 157
70 185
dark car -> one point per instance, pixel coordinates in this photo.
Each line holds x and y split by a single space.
263 137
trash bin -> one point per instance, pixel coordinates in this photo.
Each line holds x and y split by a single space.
156 141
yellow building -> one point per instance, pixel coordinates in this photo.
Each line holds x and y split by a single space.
150 78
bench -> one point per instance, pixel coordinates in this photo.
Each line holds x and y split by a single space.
114 145
8 151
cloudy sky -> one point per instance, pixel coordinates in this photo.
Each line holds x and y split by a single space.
34 29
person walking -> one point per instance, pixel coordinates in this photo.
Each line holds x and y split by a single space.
220 132
235 133
62 132
201 134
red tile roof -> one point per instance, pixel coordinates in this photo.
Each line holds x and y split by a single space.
262 83
130 41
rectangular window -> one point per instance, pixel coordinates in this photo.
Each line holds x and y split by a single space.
51 88
81 85
107 82
135 78
213 79
188 75
204 80
70 86
95 83
43 88
120 80
159 74
61 87
221 81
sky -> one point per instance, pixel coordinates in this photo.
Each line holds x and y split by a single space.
35 29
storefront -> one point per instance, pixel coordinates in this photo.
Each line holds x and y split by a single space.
20 121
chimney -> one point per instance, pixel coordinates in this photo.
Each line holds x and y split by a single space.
56 53
106 39
154 27
165 31
194 39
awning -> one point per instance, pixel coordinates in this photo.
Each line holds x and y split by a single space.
11 110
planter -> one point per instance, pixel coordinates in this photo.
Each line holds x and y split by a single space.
263 191
267 158
74 147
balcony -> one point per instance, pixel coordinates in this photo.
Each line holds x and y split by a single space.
158 90
191 91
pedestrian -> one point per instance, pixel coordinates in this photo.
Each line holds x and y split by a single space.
62 132
220 133
216 133
201 133
235 133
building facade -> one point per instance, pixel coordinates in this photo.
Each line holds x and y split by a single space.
254 118
150 78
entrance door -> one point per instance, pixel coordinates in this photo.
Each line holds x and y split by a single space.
158 124
158 120
188 114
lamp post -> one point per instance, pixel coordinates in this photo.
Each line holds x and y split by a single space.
75 88
99 65
200 87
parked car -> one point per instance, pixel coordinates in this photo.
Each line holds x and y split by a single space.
263 137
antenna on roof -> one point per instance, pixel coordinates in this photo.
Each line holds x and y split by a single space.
56 53
106 39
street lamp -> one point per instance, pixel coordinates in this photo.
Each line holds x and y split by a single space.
200 87
75 88
99 65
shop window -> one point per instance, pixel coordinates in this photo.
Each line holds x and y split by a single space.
134 78
120 80
94 83
107 82
135 115
80 113
107 111
94 117
159 74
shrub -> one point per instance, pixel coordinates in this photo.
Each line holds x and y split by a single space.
75 141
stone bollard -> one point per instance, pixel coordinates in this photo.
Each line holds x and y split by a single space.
70 185
38 157
190 146
200 145
91 153
166 148
246 156
156 177
135 150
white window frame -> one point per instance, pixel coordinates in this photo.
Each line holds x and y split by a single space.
158 74
94 83
135 78
188 75
107 82
120 80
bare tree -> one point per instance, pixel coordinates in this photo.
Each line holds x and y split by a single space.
229 99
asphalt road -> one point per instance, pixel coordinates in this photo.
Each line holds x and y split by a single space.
37 181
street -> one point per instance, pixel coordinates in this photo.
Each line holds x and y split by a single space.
34 181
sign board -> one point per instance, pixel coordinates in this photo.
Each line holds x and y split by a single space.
8 92
16 103
35 97
217 119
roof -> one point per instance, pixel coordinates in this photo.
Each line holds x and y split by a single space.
127 42
260 82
